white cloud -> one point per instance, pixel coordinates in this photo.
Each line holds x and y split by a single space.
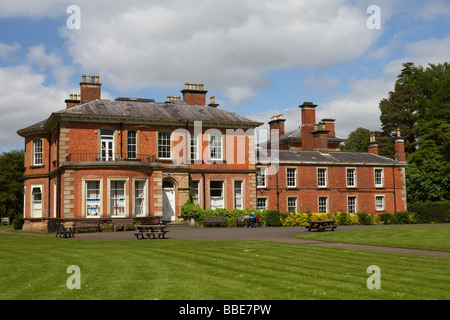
7 51
436 9
357 108
224 44
24 97
52 61
422 53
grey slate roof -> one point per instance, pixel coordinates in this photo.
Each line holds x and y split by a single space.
300 156
296 135
155 110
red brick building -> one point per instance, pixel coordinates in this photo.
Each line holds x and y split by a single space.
136 157
313 174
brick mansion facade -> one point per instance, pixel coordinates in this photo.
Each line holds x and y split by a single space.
136 157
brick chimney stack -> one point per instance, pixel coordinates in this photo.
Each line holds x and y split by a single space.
194 94
329 125
308 123
400 154
373 144
73 101
277 123
320 138
90 88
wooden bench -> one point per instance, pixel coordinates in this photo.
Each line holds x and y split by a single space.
117 223
86 224
5 221
215 220
242 219
321 225
150 228
64 232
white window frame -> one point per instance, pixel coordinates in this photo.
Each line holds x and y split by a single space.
216 146
111 198
107 153
198 197
319 204
164 142
194 146
262 176
137 197
38 152
291 181
133 144
321 178
35 203
220 199
381 177
355 205
55 203
85 198
383 203
259 205
351 178
292 205
235 194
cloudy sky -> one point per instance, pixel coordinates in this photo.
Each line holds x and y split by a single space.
259 58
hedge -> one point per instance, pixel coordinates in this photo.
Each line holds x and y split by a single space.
428 212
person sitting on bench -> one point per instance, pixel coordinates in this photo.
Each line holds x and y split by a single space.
252 221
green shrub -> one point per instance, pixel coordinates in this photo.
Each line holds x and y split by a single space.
402 217
18 222
295 219
342 218
386 218
366 218
274 218
318 216
430 212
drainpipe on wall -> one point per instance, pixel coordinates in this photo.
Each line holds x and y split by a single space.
49 166
395 197
204 189
58 177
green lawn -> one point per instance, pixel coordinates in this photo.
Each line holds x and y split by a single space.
406 236
34 267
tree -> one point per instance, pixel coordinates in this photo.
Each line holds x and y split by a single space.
11 183
400 109
420 107
357 141
427 173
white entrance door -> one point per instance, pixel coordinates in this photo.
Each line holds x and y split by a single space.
168 201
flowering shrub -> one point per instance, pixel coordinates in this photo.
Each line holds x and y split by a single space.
345 218
295 219
301 218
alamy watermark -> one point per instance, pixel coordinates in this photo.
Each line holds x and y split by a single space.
74 20
374 281
374 21
74 281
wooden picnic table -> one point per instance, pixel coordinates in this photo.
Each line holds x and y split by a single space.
150 231
321 225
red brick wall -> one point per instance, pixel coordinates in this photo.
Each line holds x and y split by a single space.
337 192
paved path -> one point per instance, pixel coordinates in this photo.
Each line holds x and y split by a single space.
282 234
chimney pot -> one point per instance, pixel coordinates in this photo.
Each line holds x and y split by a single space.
90 89
194 94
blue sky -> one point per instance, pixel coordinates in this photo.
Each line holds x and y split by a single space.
258 58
